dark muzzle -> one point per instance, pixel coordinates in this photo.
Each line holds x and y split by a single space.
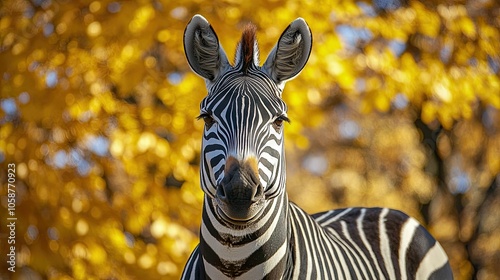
240 194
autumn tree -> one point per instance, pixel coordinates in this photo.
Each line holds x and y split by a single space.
398 107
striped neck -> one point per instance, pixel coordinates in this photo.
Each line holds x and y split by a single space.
247 251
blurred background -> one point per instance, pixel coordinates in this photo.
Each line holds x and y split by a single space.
397 107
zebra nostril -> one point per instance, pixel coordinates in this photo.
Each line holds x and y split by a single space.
259 193
220 192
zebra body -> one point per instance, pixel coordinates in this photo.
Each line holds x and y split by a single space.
249 228
358 236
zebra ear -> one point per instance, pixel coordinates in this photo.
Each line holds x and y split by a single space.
291 53
203 52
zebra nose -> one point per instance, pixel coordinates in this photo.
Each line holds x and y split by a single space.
240 190
241 181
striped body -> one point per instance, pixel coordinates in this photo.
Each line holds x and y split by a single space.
249 228
352 243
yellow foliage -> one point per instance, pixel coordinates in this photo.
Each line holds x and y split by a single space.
98 107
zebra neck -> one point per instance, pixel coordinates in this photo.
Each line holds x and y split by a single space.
247 252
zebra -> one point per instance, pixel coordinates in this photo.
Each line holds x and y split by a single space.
249 229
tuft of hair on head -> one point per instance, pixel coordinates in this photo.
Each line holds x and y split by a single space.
247 46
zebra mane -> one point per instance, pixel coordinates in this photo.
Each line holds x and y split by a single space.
247 51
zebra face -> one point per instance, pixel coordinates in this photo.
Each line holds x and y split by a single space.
242 161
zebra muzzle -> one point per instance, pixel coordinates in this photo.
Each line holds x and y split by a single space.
240 195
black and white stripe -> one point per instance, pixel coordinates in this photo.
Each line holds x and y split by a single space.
243 109
244 112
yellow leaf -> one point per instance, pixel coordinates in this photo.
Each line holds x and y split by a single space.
468 27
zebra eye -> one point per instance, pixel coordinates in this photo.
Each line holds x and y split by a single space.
278 122
209 121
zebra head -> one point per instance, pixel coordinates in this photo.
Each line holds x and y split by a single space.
242 160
